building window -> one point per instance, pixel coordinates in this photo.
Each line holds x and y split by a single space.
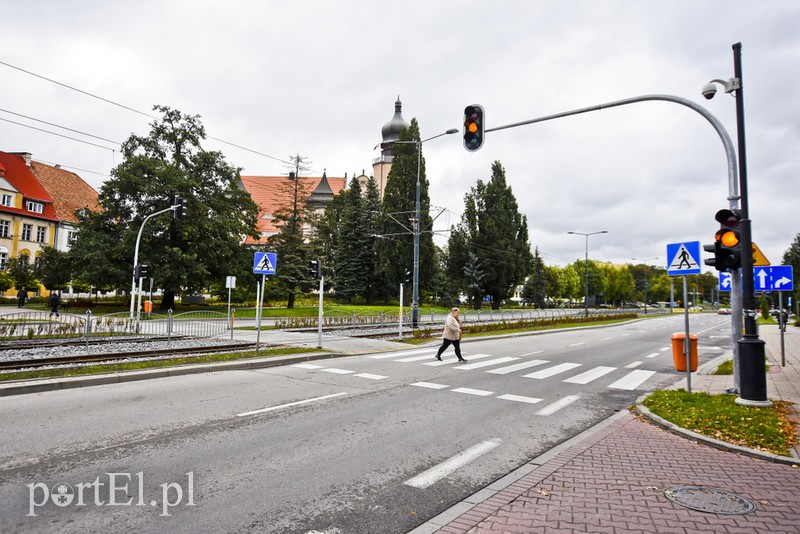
5 229
71 238
27 229
41 233
3 259
37 263
5 200
36 207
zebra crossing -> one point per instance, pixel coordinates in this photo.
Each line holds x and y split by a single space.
633 378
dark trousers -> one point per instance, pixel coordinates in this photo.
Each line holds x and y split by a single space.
446 343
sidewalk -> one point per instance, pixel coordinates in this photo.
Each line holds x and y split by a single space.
613 477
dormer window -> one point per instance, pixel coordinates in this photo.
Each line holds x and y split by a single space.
6 200
35 207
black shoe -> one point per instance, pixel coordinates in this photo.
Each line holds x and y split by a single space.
438 357
462 360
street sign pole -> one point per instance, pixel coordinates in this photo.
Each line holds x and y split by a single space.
781 327
319 319
686 341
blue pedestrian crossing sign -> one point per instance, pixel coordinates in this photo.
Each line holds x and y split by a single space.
264 263
683 258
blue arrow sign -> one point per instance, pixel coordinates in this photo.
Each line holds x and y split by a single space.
769 278
773 278
264 263
683 258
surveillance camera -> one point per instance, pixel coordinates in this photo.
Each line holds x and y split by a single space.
709 91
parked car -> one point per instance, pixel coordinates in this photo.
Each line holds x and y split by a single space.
724 311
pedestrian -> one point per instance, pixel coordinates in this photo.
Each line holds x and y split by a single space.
54 301
22 296
451 335
784 319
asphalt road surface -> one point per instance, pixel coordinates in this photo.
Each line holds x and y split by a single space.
363 444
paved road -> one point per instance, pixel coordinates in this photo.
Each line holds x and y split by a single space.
371 443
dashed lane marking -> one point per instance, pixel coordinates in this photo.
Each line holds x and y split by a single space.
429 385
477 392
307 366
290 404
551 371
653 355
633 364
520 398
371 376
438 472
337 371
416 358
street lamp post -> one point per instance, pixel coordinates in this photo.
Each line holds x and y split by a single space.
416 227
645 260
586 277
753 379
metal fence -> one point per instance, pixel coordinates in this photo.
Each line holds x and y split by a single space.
42 325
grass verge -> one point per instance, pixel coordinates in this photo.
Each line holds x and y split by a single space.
768 429
84 370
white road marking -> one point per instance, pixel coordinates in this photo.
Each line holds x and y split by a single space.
487 363
653 355
664 349
633 364
532 353
517 367
307 366
371 376
550 409
625 335
576 344
588 376
632 380
430 385
550 371
448 361
520 398
605 339
417 358
279 407
336 371
438 472
478 392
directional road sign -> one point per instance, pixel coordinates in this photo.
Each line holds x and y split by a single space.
264 263
774 278
683 258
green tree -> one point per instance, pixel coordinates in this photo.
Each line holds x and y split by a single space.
792 257
376 281
22 273
294 252
205 246
598 282
396 249
54 269
498 233
620 286
534 291
6 282
353 246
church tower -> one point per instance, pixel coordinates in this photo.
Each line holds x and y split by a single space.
390 133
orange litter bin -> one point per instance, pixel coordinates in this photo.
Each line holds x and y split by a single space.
148 306
678 354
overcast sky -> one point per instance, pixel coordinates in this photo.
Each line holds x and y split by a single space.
319 79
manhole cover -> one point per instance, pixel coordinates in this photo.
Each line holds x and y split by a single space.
711 500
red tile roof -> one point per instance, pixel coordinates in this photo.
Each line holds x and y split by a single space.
19 175
268 194
68 190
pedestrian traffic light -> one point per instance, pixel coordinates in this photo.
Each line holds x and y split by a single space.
177 213
473 127
140 271
407 277
315 268
727 247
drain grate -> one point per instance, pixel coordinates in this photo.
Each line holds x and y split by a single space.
711 500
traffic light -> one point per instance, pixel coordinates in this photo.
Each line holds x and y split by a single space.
140 271
407 277
177 213
315 268
727 247
473 127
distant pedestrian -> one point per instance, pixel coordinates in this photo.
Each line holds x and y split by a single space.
54 301
784 319
451 335
22 296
